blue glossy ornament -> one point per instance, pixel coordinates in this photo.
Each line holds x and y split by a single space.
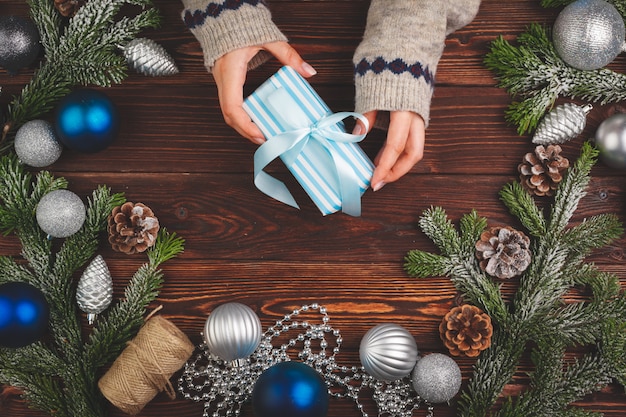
86 121
290 389
24 314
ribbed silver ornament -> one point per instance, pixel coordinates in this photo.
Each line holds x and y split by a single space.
232 331
95 289
563 123
149 58
388 352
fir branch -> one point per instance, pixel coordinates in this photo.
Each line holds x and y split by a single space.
521 204
10 271
422 264
48 23
592 233
471 226
435 224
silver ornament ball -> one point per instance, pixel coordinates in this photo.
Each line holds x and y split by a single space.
436 378
388 352
94 292
36 144
232 331
610 139
60 213
588 34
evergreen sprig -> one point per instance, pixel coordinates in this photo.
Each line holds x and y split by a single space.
58 375
536 313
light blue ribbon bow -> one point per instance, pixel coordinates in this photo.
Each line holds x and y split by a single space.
288 145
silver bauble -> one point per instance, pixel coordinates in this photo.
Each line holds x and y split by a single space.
60 213
149 58
232 331
610 139
95 289
388 352
588 34
436 378
36 144
563 123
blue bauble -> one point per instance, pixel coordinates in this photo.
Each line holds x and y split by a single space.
290 389
86 121
24 314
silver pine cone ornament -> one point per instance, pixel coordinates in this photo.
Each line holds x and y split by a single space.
563 123
149 58
95 289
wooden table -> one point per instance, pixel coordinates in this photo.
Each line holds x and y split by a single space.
175 154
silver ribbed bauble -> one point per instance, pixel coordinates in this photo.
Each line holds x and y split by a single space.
36 144
95 289
563 123
610 139
436 378
588 34
232 331
149 58
60 213
388 352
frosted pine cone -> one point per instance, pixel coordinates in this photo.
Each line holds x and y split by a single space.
503 252
563 123
466 330
541 171
68 8
132 228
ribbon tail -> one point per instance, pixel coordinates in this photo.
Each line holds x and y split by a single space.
274 188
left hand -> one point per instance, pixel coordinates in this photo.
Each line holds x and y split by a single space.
403 148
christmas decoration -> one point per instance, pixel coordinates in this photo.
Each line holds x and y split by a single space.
36 144
503 252
541 171
60 213
19 43
289 389
563 123
24 314
466 330
86 120
146 365
132 228
388 352
534 316
58 374
68 8
149 58
589 34
436 378
232 331
94 293
610 138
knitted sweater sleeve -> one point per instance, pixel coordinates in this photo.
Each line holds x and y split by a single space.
396 62
222 26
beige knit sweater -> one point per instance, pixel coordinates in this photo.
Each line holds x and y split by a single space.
394 65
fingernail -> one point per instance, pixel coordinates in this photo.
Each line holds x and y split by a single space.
258 141
358 129
378 185
308 69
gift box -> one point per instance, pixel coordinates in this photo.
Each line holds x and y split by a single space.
311 141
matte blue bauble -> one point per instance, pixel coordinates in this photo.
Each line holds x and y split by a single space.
290 389
86 121
24 314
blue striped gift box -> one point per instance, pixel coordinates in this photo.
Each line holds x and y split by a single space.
313 167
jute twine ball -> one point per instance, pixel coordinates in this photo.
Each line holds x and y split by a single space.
146 365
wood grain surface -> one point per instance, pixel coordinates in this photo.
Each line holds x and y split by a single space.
175 154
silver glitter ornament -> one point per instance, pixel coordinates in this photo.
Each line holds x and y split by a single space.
19 43
95 289
149 58
563 123
36 144
436 378
610 139
388 352
60 213
589 34
232 331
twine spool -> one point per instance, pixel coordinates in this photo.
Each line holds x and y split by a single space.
146 365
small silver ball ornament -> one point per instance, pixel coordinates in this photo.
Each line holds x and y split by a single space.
60 213
610 138
388 352
436 378
36 144
232 331
588 34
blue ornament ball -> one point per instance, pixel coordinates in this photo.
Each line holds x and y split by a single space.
86 121
24 314
290 389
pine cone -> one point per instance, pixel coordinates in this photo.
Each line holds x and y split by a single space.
132 228
68 8
541 171
503 252
466 330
